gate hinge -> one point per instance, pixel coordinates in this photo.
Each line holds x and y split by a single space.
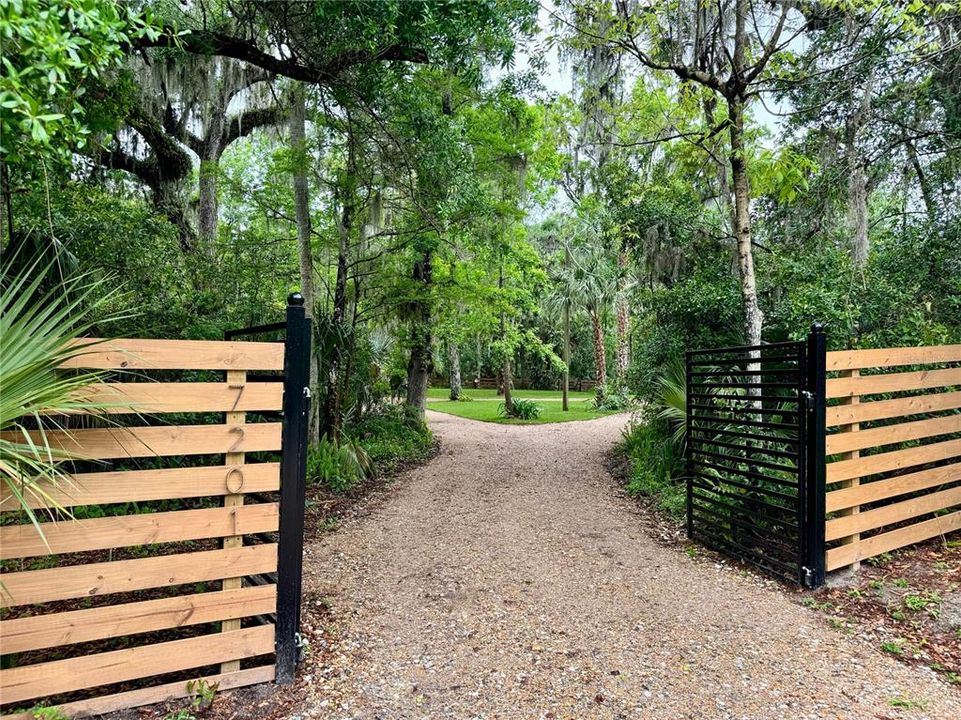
808 399
302 647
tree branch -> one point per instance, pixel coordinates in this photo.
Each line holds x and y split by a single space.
207 42
243 124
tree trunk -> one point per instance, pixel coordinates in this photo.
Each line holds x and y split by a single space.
857 213
453 358
600 356
927 192
298 148
565 406
753 317
508 381
421 363
207 210
333 399
480 363
6 210
170 198
623 322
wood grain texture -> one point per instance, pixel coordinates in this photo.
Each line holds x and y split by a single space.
78 673
77 626
164 484
70 536
155 694
38 586
892 487
140 354
892 382
892 357
164 397
236 379
895 460
136 442
885 409
892 434
885 542
837 528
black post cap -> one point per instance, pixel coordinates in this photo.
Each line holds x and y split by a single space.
817 327
295 298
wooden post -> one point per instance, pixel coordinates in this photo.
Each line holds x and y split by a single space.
852 455
236 381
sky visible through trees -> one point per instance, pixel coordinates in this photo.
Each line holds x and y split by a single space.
493 188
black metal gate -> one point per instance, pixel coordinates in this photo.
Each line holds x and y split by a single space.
296 334
755 455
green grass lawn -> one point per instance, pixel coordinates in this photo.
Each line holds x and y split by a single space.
485 403
491 394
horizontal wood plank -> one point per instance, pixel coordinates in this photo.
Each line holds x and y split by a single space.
140 354
38 586
865 520
77 673
892 487
156 694
845 555
135 442
898 407
899 459
166 397
70 536
892 382
143 485
77 626
892 357
891 434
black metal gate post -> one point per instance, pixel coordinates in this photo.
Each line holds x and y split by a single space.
293 471
812 478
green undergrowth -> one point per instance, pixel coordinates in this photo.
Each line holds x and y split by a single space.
655 463
377 445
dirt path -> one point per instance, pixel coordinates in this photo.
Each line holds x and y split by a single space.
507 579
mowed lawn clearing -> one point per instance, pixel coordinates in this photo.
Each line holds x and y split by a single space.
484 405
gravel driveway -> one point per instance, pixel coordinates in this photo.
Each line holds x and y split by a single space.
507 579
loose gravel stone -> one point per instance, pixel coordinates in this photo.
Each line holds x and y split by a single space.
507 578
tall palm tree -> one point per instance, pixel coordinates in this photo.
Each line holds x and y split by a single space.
588 280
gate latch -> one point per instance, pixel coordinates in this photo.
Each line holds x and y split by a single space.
808 399
808 579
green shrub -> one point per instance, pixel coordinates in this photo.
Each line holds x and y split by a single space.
338 465
656 464
392 436
521 410
619 399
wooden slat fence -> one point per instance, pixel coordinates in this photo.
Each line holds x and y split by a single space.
894 449
171 555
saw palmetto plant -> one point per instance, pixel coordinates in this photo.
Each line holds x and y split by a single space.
42 317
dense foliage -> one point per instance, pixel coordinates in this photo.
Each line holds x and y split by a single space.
716 172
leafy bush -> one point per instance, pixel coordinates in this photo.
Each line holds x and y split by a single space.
338 464
614 401
392 436
654 445
521 410
656 464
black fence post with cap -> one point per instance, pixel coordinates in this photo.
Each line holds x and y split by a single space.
293 471
813 476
